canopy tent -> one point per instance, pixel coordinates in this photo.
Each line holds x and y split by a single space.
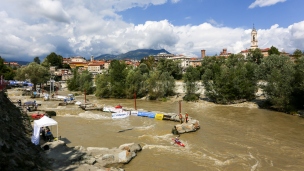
42 122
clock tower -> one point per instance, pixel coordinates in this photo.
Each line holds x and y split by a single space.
254 40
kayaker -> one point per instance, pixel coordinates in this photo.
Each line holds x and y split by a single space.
176 140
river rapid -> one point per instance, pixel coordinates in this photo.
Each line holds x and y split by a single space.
230 138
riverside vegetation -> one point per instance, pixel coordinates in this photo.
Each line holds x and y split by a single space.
225 80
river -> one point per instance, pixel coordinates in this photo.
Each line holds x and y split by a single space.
230 138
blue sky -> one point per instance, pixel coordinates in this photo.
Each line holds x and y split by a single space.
31 28
233 13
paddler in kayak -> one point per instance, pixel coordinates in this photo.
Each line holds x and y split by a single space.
176 140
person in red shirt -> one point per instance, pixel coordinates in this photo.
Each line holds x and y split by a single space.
186 117
181 118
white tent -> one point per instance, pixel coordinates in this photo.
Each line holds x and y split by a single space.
42 122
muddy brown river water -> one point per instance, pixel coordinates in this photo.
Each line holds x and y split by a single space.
230 138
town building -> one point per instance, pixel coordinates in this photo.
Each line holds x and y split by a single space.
254 45
224 53
78 62
96 67
12 64
163 55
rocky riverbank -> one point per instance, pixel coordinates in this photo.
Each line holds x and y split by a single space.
92 158
17 152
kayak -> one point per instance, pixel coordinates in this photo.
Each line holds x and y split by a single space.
178 142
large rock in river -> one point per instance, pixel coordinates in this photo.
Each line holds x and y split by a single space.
92 158
191 126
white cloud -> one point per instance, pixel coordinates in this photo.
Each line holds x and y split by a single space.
88 28
53 9
175 1
264 3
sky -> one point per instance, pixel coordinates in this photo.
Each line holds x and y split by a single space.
36 28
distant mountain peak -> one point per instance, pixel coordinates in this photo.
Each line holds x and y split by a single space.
137 54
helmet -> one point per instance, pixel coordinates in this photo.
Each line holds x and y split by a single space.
176 137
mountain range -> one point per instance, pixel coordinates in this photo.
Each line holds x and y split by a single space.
134 54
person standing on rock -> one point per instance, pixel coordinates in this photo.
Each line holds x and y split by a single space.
186 117
175 131
181 118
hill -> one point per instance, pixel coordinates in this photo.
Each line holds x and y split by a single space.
134 54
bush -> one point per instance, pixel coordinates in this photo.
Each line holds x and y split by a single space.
191 97
50 113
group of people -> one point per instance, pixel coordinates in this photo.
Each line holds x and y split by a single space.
174 129
46 134
181 118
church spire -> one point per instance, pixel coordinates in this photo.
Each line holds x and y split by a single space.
254 40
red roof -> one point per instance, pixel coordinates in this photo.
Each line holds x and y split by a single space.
96 63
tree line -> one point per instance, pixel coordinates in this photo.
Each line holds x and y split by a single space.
225 80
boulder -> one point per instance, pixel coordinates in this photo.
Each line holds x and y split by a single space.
191 126
91 157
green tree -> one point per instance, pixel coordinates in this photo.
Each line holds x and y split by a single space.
153 87
103 86
53 60
113 83
168 84
81 82
66 66
273 51
34 72
170 66
134 83
297 53
72 83
6 71
150 62
85 82
118 72
278 74
191 79
37 60
209 63
143 68
230 81
298 84
255 56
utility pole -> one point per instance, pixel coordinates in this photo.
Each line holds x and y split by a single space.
180 106
50 86
135 101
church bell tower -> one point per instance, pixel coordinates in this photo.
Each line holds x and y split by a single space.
254 40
